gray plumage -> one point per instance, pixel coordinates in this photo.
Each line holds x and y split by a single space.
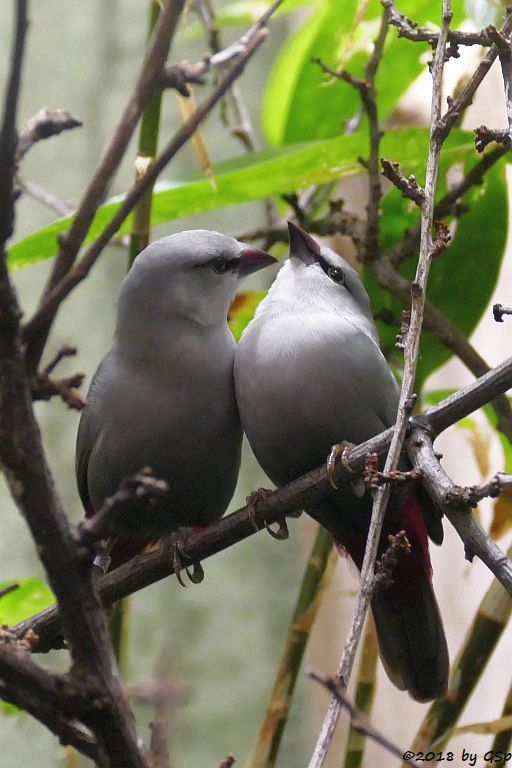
163 395
309 373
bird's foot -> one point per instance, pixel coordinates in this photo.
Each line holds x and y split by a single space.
282 532
176 543
339 452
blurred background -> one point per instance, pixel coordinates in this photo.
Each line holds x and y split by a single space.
220 641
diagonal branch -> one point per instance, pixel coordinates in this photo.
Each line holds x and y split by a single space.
47 309
31 485
94 195
307 490
359 722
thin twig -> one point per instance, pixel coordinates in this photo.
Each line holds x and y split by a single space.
446 332
457 508
60 207
410 30
359 721
7 590
499 310
411 358
42 125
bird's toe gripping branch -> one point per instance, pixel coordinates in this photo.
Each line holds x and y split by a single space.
339 452
176 547
282 532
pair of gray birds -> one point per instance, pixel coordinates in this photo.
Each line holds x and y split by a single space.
174 392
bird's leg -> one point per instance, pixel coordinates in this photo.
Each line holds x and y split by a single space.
175 543
282 532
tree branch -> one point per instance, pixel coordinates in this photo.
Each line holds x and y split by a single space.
31 485
71 241
146 569
412 345
42 125
448 497
58 293
359 722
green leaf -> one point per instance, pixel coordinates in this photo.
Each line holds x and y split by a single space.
301 103
259 175
31 596
296 102
242 179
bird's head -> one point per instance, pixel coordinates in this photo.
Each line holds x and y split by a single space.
321 277
192 275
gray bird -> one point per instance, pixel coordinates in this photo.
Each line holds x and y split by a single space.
309 373
163 396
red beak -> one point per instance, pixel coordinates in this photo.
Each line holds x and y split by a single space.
251 260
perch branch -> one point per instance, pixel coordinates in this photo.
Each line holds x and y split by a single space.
309 489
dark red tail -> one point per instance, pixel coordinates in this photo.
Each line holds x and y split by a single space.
409 627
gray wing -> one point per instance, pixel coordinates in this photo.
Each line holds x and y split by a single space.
89 430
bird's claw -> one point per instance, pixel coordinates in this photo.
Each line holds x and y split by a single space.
282 532
176 542
339 452
197 574
251 501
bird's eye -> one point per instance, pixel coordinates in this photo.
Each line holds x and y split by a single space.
220 265
336 275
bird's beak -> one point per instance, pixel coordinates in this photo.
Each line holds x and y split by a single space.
302 245
251 260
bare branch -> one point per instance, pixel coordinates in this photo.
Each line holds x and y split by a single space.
142 485
60 207
307 490
446 332
499 310
412 342
94 195
37 325
359 721
448 497
412 31
8 137
409 187
42 125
